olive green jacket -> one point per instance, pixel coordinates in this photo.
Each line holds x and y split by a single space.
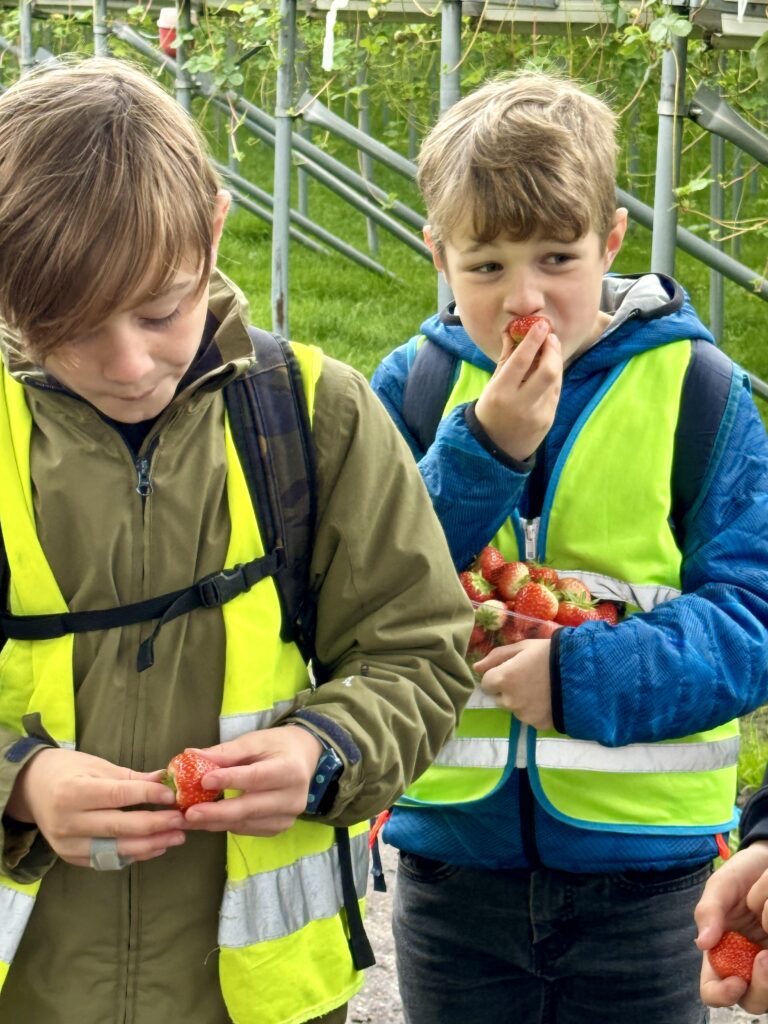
139 946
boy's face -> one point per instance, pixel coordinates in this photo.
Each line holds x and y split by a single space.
497 281
130 365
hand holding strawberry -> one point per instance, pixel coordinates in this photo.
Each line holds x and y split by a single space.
184 775
518 404
271 768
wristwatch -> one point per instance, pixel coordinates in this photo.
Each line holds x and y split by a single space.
325 781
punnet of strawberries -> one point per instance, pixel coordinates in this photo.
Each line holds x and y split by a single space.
526 601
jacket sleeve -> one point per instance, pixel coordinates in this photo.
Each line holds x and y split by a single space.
392 619
473 490
754 818
25 855
699 660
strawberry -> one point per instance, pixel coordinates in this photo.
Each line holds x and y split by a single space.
573 587
543 574
542 630
183 775
608 611
510 578
519 327
489 562
536 601
733 956
481 642
513 629
476 586
573 613
490 615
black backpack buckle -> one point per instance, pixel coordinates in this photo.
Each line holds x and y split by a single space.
219 587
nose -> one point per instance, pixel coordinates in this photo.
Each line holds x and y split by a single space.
524 295
126 358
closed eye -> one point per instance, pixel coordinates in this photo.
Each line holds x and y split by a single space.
158 323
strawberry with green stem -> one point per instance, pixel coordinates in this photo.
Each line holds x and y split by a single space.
489 562
536 601
510 579
476 586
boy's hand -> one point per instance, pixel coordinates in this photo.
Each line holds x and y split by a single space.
518 404
517 675
735 898
74 797
272 768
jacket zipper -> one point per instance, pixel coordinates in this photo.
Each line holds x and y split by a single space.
143 465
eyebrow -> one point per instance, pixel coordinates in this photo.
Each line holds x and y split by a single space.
172 289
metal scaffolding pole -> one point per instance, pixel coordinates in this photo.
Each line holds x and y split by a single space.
100 30
671 111
450 92
717 212
26 46
183 27
366 161
282 180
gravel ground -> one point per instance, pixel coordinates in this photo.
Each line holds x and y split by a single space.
379 1003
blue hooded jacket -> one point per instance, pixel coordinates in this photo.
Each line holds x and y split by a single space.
703 658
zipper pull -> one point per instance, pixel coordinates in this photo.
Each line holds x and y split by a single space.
144 484
531 537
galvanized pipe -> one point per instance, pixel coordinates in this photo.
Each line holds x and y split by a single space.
671 111
244 186
100 30
281 191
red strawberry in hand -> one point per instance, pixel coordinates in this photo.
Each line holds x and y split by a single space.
519 327
184 774
733 956
536 601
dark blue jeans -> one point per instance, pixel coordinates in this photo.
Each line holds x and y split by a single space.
546 947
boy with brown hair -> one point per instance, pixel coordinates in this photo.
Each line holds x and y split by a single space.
145 596
559 843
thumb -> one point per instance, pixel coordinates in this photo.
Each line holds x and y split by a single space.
710 921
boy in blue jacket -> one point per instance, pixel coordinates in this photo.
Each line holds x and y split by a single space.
552 857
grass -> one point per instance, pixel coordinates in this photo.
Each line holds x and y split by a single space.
358 316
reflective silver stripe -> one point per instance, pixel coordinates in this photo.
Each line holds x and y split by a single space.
584 755
277 903
474 752
646 596
481 699
15 908
232 726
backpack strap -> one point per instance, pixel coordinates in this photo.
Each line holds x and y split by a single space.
270 425
707 387
427 387
265 403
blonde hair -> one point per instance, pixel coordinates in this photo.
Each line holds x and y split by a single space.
521 156
105 189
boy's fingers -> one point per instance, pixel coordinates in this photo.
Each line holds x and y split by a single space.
755 999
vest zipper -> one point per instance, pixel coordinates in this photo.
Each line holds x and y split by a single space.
531 531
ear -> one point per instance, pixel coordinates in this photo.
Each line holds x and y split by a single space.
221 206
435 249
615 237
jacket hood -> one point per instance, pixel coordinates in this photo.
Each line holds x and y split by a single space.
648 310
